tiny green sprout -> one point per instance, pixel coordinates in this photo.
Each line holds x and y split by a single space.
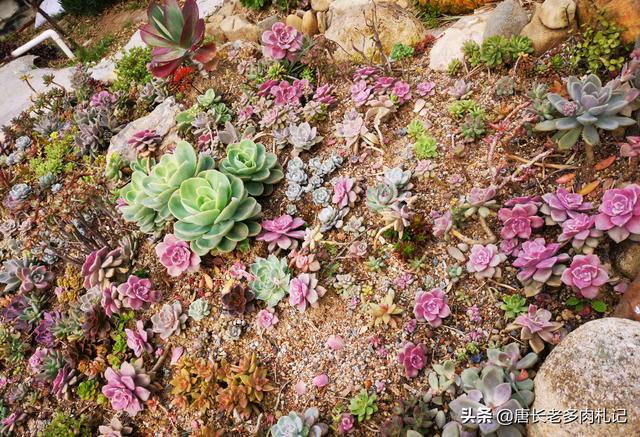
426 147
374 264
401 51
276 71
454 67
88 390
416 129
513 306
363 405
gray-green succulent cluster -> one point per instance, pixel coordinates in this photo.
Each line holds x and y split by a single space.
204 116
591 106
258 169
96 126
297 425
9 273
271 279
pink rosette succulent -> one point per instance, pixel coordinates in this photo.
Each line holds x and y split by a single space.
282 232
176 256
267 318
431 306
562 204
324 95
304 290
425 88
484 261
537 328
347 424
537 260
345 192
127 389
585 275
442 224
111 300
579 229
620 213
137 291
281 42
630 149
402 91
413 358
360 92
138 340
519 221
304 262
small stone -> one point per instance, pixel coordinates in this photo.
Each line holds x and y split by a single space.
237 28
322 21
507 19
541 36
267 23
320 5
626 258
309 23
557 14
294 21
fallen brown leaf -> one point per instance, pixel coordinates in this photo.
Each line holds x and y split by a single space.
589 188
605 163
566 178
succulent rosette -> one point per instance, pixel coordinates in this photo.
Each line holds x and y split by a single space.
176 256
432 307
282 232
586 275
281 42
413 358
484 261
127 388
258 169
619 213
214 212
539 264
562 204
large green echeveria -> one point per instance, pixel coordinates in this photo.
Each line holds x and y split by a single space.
251 162
214 212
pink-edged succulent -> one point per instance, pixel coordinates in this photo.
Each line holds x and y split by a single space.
127 388
111 300
176 256
345 192
34 278
402 91
137 292
539 264
619 213
282 42
347 424
580 230
267 318
562 205
145 142
169 320
484 261
304 290
282 232
303 261
431 306
537 328
138 340
425 88
413 358
442 224
324 95
586 275
519 220
630 149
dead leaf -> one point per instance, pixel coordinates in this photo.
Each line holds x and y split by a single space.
566 178
589 188
208 281
605 163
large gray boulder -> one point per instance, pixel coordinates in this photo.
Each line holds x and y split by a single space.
595 367
507 19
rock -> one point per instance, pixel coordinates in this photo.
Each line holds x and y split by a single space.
507 19
267 23
594 367
162 119
541 36
322 21
295 21
558 14
338 7
309 23
213 28
449 46
320 5
237 28
626 14
349 29
625 258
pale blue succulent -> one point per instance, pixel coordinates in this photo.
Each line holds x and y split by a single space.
199 309
331 217
20 192
23 142
321 196
297 425
271 279
293 192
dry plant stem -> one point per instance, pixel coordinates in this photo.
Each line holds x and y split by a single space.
542 165
525 166
588 150
470 241
160 361
485 227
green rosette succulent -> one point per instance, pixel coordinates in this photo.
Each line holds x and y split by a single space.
271 279
214 212
252 163
133 194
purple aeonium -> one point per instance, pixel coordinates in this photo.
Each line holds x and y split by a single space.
586 275
620 213
431 306
413 358
484 261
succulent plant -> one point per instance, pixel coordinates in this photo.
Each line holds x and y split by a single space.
382 196
303 137
459 89
353 128
271 279
127 388
505 86
580 230
515 367
443 381
238 300
194 383
175 35
47 124
136 292
105 265
562 205
44 330
425 147
519 220
539 264
199 309
386 312
413 416
431 307
95 324
513 306
619 214
345 192
169 320
537 328
363 405
34 278
214 212
96 126
473 127
484 261
147 195
176 256
585 275
111 300
258 169
138 340
298 425
413 358
304 290
282 232
20 192
9 273
281 42
591 107
115 428
145 142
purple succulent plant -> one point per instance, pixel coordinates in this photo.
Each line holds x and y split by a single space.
538 328
620 213
282 232
585 275
34 278
137 292
345 192
442 224
169 320
360 92
281 42
519 220
304 290
176 256
630 149
402 91
138 340
43 332
111 300
425 88
127 388
562 204
539 261
431 306
484 261
145 142
413 358
481 196
324 95
580 230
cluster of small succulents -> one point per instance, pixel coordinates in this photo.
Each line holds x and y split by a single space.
205 115
96 123
300 182
300 425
